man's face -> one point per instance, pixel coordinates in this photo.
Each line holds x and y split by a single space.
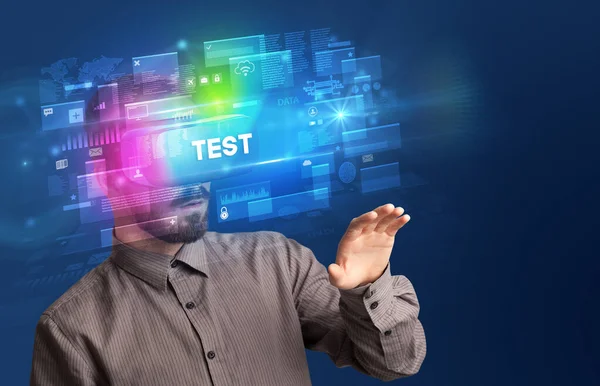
153 208
186 205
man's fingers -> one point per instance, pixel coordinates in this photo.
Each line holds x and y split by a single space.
378 220
397 224
382 213
358 223
387 220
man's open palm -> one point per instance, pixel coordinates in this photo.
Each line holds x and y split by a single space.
365 249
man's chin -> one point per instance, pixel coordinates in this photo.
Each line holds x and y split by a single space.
182 237
189 229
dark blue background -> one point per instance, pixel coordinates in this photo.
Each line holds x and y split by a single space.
505 263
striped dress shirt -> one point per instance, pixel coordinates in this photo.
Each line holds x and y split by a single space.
229 309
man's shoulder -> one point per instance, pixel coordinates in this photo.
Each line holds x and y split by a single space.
259 239
258 247
83 292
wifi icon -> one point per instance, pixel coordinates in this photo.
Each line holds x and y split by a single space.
245 67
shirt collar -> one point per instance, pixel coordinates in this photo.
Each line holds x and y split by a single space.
153 268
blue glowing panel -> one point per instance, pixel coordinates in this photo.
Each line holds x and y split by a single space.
371 140
330 62
137 111
158 74
362 85
79 86
106 237
321 170
288 204
253 74
173 109
63 115
346 43
91 197
91 184
321 177
321 89
297 42
146 68
354 69
380 177
308 164
80 205
261 208
233 202
218 52
326 120
319 42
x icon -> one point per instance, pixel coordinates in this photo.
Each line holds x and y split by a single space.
136 63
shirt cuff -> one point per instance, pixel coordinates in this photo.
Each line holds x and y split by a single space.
373 300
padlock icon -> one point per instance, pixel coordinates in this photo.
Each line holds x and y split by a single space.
224 214
217 78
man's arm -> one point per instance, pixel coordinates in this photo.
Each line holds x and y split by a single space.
56 361
373 327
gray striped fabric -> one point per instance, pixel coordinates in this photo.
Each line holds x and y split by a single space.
230 309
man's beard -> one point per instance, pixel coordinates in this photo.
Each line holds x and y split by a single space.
188 229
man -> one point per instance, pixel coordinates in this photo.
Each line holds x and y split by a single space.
177 305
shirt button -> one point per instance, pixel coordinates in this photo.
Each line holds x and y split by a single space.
174 264
211 355
190 305
374 305
388 333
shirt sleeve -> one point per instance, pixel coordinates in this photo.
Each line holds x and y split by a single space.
55 360
373 328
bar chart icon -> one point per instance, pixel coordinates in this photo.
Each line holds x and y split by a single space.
92 139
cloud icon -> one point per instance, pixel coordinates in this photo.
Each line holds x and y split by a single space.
245 67
306 162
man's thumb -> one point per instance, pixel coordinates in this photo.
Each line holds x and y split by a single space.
337 276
